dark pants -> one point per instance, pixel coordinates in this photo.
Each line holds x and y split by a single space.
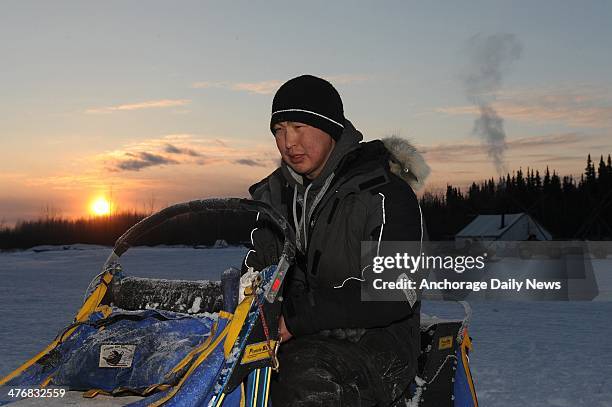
316 370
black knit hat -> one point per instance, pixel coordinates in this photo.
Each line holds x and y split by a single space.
309 100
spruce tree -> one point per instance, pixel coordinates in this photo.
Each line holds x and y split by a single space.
546 185
602 173
589 171
555 183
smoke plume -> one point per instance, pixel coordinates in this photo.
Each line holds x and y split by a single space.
489 58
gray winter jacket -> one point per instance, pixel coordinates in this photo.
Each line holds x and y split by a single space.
365 192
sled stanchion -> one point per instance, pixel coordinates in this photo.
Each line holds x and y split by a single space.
230 283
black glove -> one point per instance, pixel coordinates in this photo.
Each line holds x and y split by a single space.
267 245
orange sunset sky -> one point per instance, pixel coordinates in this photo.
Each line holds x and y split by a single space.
151 103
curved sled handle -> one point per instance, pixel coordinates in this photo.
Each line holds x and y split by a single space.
204 205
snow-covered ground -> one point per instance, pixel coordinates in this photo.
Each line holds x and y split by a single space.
525 353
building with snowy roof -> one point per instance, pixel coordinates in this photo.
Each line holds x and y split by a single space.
508 227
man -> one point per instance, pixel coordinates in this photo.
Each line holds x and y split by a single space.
337 192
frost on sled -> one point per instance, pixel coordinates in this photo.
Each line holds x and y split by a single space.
153 342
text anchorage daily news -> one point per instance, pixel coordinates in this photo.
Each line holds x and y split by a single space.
458 264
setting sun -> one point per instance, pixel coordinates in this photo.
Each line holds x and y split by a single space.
100 207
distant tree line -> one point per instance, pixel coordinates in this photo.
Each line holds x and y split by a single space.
191 229
569 208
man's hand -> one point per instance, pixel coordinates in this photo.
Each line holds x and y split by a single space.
283 333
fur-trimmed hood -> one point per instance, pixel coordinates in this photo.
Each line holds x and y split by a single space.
406 162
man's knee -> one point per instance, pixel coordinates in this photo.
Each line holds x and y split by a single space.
312 387
317 372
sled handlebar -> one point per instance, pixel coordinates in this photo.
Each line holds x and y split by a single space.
205 205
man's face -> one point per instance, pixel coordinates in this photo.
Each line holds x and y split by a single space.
304 148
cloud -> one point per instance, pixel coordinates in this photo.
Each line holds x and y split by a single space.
270 86
260 88
251 163
151 104
142 160
468 149
176 150
581 116
582 106
549 160
220 142
463 162
183 149
556 140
